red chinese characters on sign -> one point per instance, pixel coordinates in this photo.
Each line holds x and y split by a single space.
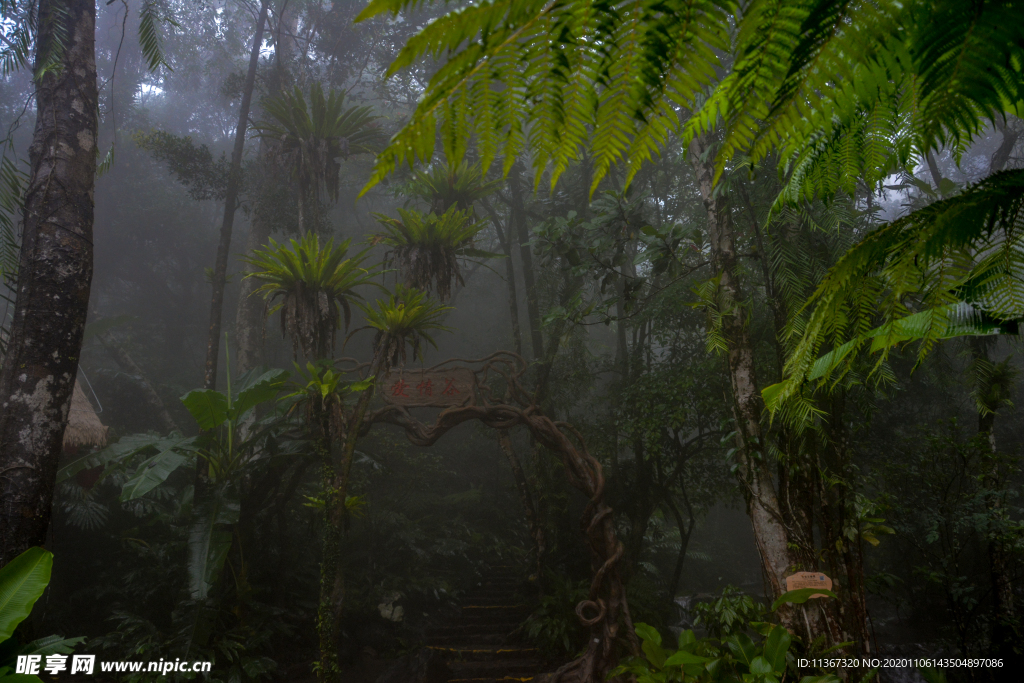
425 388
438 388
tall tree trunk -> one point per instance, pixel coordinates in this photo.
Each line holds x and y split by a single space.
505 237
1002 154
1004 623
220 268
526 498
332 575
685 531
249 316
755 478
54 278
526 253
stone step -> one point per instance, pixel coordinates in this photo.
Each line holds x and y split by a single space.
471 653
477 628
495 613
495 669
468 640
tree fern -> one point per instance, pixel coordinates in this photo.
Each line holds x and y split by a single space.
951 268
558 78
811 78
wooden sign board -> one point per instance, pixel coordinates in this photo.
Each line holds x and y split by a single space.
808 580
437 388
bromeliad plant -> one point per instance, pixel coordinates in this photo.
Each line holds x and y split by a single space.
445 186
405 318
313 135
427 248
312 286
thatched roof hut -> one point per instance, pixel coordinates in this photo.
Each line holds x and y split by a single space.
84 426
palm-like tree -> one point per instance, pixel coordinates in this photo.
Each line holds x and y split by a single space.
312 136
427 248
312 286
405 318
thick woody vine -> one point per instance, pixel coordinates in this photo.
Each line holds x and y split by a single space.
498 400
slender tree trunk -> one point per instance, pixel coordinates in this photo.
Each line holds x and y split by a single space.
526 498
54 278
167 422
332 576
1002 154
846 555
685 530
505 237
525 252
220 268
762 503
933 168
249 317
1004 623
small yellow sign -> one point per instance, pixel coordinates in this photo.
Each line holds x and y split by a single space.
808 580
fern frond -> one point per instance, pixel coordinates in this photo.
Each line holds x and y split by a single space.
958 259
151 15
556 78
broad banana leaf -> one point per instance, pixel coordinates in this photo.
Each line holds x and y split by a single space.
208 407
22 581
154 471
209 541
118 452
256 389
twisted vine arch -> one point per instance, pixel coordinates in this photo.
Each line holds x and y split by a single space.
500 401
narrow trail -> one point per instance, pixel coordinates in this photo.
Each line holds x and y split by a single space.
478 644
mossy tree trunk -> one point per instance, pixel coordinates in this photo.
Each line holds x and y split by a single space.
780 554
54 278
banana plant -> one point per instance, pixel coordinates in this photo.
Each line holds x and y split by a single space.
22 583
227 449
217 414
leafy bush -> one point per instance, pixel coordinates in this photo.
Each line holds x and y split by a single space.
734 658
553 626
731 613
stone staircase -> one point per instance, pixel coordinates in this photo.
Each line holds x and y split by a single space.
478 645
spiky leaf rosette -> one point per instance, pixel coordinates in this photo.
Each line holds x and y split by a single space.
313 135
312 286
445 185
405 319
427 248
